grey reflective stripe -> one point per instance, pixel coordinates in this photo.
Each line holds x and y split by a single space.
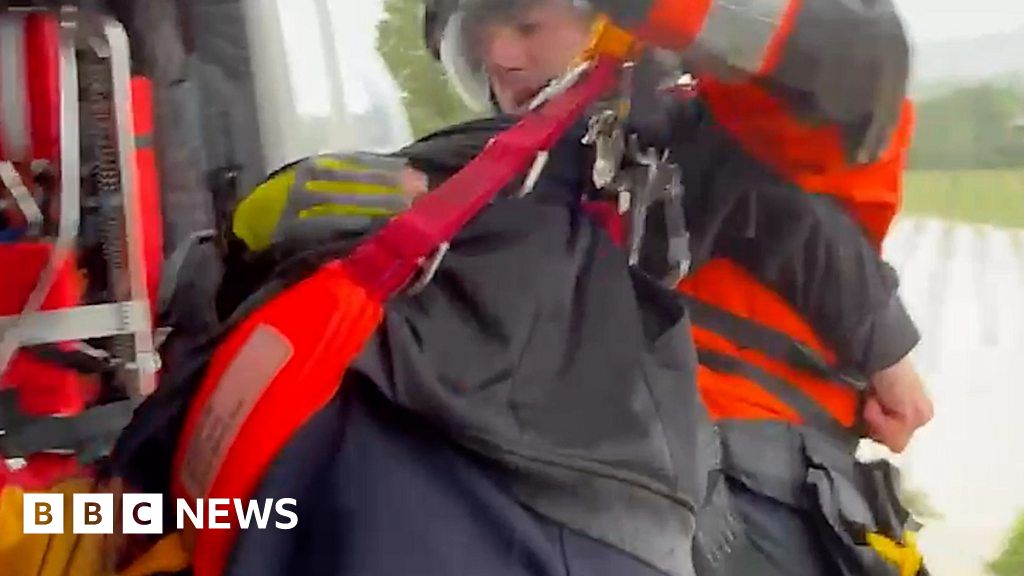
379 172
14 116
307 172
774 344
739 32
348 171
389 203
144 141
812 413
377 166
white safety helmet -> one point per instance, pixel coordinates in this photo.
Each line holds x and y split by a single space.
448 26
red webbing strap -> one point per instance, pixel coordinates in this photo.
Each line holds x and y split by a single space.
250 403
148 184
42 37
385 262
249 406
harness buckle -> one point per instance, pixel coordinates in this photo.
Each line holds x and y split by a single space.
604 131
428 269
655 181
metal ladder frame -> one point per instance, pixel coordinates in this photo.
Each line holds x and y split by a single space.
130 316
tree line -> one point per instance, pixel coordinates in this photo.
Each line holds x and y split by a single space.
973 127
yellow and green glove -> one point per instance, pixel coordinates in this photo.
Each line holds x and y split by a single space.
327 194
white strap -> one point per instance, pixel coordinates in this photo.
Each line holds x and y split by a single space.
14 117
22 197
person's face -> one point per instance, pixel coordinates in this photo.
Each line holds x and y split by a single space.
522 54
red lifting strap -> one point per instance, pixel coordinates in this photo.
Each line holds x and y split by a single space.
42 40
387 261
285 362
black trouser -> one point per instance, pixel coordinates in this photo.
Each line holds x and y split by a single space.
382 494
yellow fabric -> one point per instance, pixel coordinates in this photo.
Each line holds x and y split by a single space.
610 40
167 555
48 554
607 39
10 517
904 556
20 555
329 163
73 554
336 210
341 187
256 216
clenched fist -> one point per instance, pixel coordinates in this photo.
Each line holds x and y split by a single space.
897 405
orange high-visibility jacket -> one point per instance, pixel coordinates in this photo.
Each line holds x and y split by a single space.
815 90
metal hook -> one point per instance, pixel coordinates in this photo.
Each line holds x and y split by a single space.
429 269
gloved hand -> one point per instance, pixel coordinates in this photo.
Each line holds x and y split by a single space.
326 195
897 406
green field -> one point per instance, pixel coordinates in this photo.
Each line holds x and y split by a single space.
982 196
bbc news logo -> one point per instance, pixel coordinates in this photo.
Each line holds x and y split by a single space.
95 513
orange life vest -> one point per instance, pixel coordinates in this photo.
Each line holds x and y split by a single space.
760 359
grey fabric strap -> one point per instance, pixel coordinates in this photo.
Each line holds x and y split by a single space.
84 431
77 356
172 268
808 470
812 413
774 344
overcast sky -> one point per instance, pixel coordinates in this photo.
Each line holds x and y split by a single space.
928 19
941 19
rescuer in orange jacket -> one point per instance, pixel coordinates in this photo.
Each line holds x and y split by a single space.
814 91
